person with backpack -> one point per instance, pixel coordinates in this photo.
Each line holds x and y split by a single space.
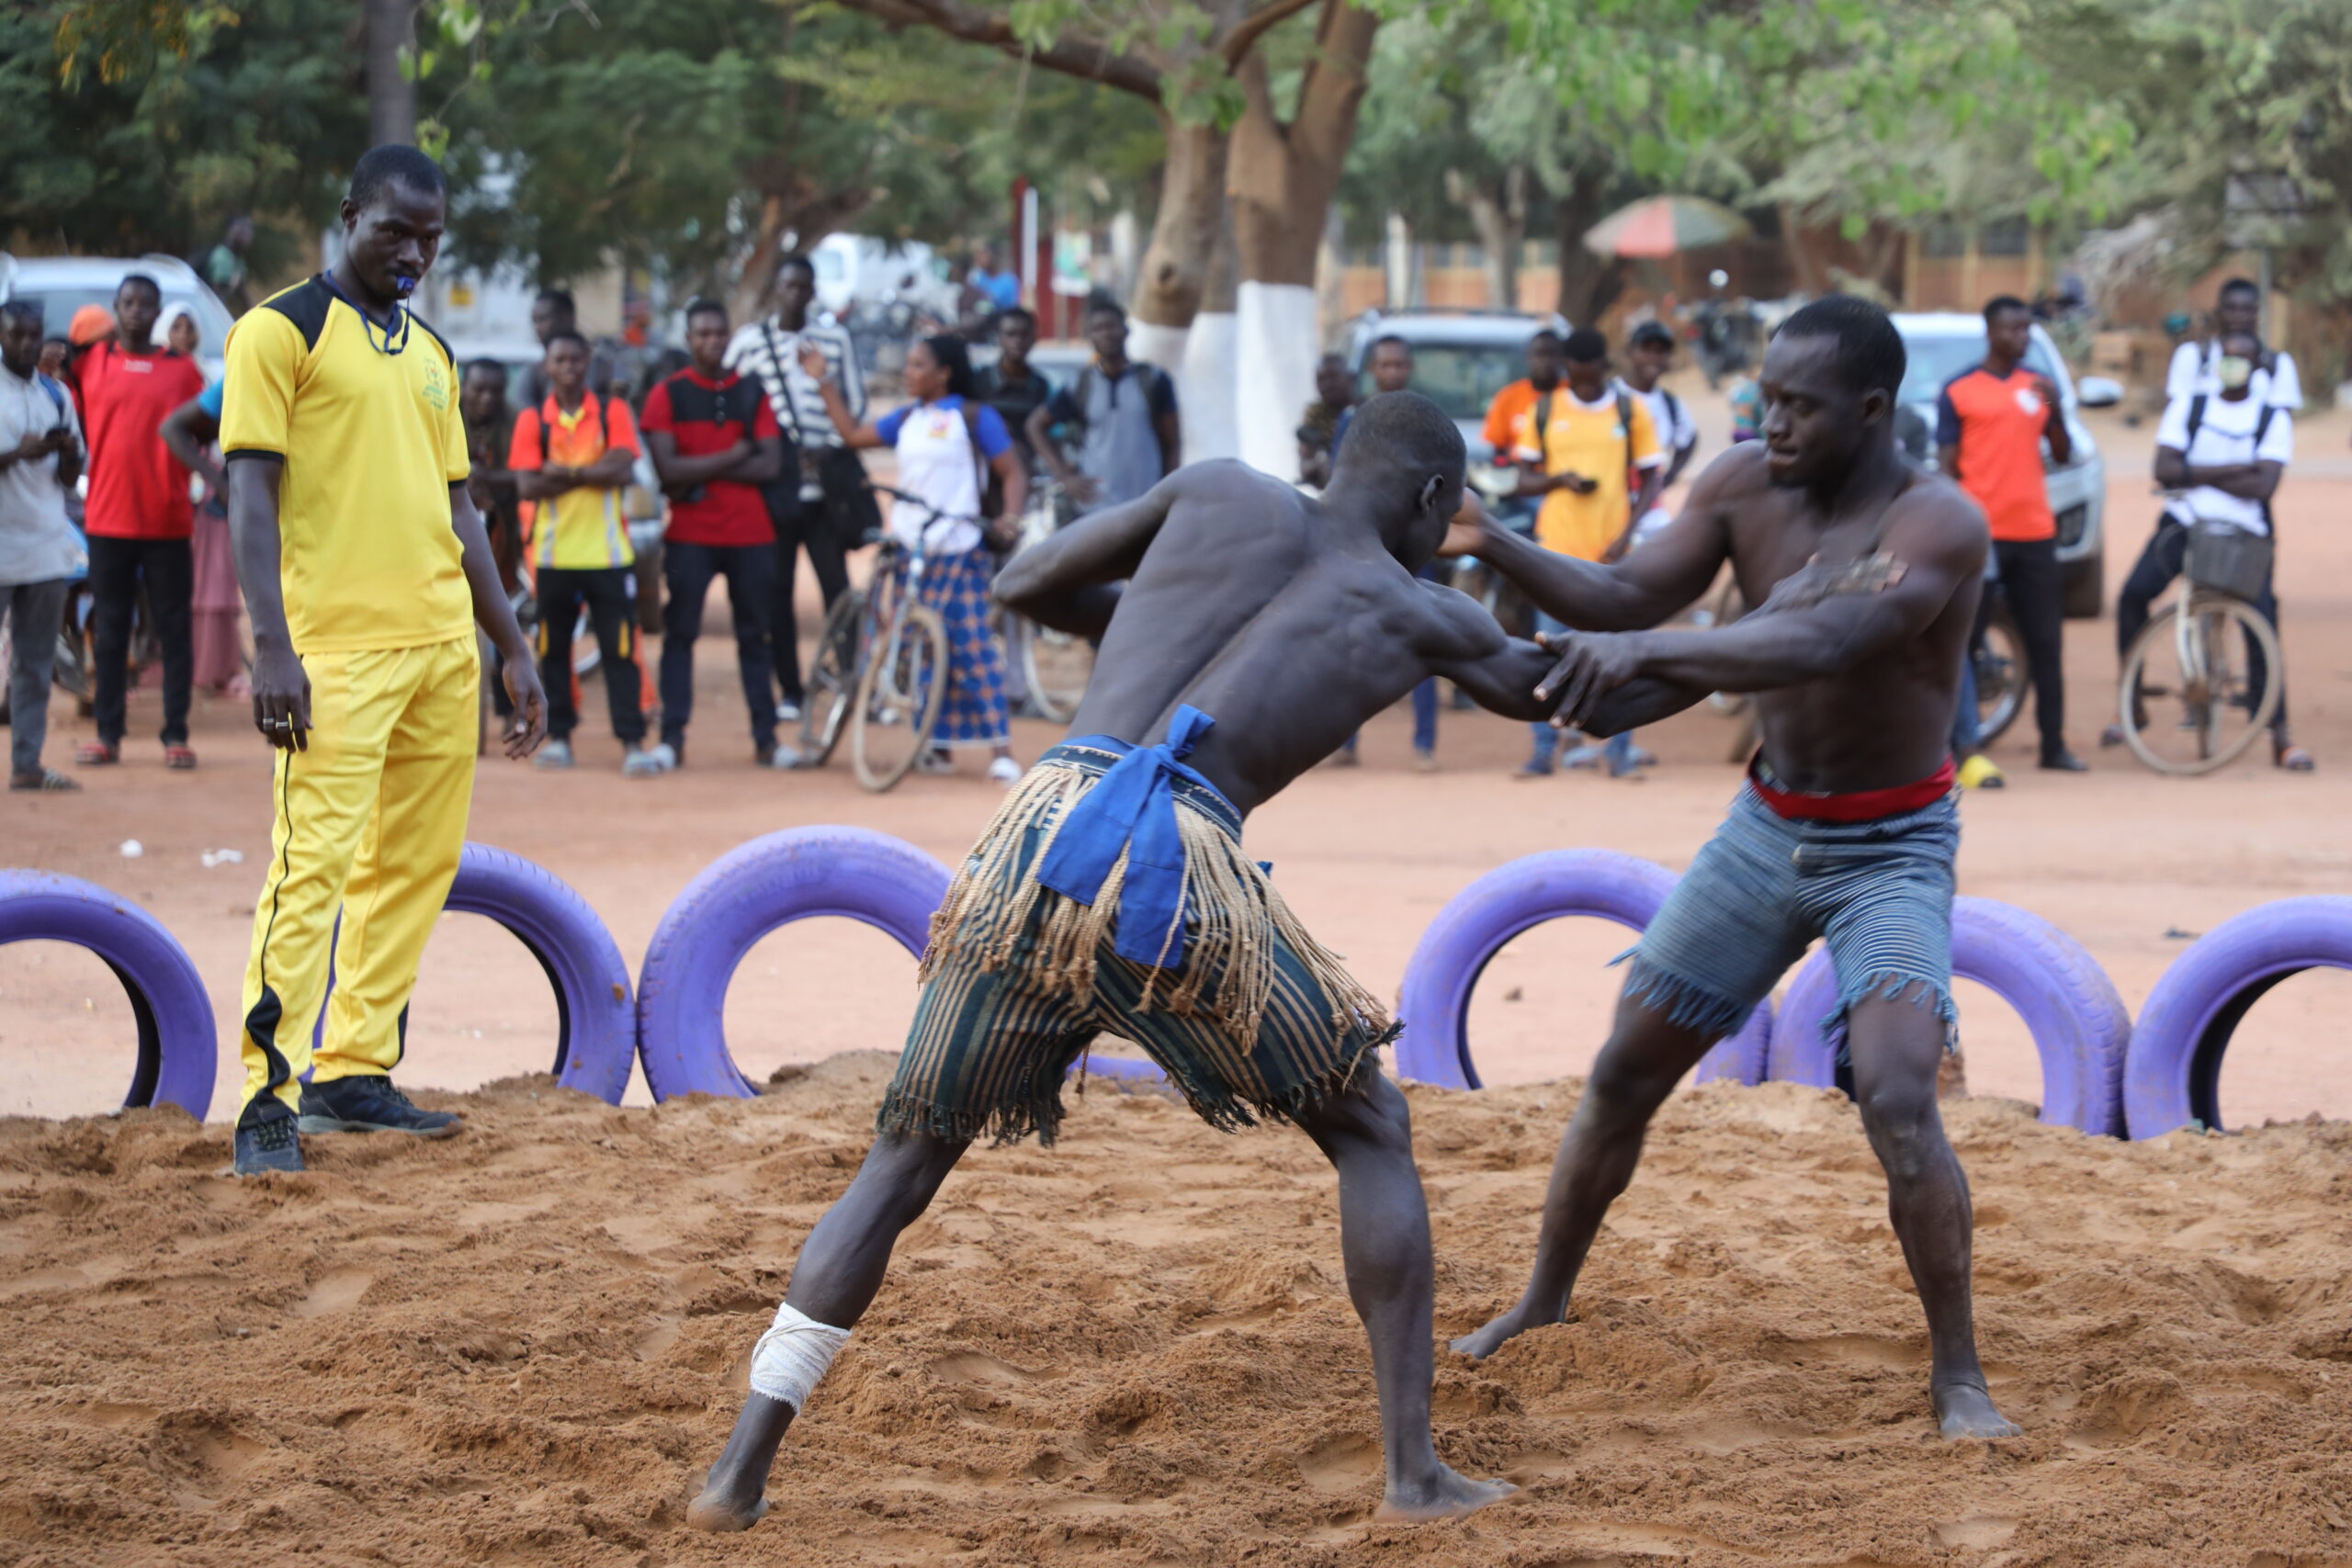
1123 412
1582 447
571 455
1648 356
41 457
2224 452
1992 423
715 443
949 443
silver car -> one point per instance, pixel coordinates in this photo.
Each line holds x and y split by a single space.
1461 359
64 284
1948 344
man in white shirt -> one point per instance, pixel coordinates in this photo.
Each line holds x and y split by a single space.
2238 309
41 457
832 508
2224 452
1648 356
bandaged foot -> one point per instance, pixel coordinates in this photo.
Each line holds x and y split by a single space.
787 1364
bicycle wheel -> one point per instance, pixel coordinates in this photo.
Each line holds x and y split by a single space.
1057 665
833 679
899 696
2186 704
2002 675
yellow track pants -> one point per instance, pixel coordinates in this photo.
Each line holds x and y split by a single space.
368 821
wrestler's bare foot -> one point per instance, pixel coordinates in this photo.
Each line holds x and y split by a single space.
1481 1343
734 1494
721 1509
1965 1410
1446 1494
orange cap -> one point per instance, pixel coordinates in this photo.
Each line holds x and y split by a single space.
91 322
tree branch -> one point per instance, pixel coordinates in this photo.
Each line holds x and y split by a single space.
1090 62
1334 85
1254 26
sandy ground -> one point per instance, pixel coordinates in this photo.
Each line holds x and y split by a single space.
525 1345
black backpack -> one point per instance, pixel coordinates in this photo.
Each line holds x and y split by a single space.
2261 429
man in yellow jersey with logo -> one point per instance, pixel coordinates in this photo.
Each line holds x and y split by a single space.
572 456
364 568
1579 446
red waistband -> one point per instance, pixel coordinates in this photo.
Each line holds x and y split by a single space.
1860 806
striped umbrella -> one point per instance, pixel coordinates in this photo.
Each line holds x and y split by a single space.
1664 225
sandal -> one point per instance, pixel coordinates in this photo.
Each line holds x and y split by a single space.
2294 759
179 759
97 754
46 780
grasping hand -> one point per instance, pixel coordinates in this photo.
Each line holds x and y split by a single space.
1592 665
282 699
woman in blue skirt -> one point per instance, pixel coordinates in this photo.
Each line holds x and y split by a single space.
948 445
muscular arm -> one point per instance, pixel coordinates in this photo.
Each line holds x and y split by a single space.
1641 590
1058 581
1940 539
1468 648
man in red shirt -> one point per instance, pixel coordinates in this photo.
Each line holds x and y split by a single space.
1990 425
714 441
139 518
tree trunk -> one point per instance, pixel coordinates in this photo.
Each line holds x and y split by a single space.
1210 385
1281 180
391 96
1497 212
1187 227
1588 283
1807 272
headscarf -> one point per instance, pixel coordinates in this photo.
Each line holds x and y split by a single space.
91 322
173 312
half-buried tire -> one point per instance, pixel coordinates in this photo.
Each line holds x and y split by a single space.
797 874
2080 1027
178 1047
595 1038
2173 1074
1434 1001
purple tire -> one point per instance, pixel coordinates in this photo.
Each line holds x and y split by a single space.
1434 1001
178 1048
744 895
2172 1077
2080 1027
595 1032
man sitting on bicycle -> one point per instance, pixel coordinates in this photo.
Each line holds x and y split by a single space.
2222 455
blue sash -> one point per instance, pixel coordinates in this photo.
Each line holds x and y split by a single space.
1134 809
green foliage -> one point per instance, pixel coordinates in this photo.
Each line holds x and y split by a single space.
209 115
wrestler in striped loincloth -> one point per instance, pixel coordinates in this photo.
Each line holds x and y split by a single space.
1111 893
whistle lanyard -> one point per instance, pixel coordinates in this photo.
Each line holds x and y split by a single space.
370 326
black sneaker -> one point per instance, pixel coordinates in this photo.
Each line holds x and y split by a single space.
270 1145
368 1103
2063 761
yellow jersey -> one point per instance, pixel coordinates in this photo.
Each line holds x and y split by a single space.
1594 440
370 441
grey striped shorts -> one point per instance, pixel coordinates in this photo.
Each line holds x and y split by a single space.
1879 892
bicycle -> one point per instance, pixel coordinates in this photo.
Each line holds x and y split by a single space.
2187 656
880 668
1054 666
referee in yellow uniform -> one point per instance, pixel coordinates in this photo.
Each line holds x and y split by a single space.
364 568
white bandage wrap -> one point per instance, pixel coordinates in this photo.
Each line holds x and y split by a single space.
793 1355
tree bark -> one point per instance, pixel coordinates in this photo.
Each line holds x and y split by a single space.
1806 270
1497 211
1282 177
1186 231
1588 283
391 96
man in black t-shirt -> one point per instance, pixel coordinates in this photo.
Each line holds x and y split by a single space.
1009 386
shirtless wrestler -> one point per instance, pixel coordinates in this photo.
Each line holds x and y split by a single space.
1846 827
1257 629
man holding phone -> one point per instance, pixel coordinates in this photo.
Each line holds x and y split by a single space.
41 457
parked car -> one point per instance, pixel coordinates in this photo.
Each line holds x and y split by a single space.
64 284
1461 359
1944 345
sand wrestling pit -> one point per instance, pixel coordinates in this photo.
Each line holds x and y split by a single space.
525 1346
